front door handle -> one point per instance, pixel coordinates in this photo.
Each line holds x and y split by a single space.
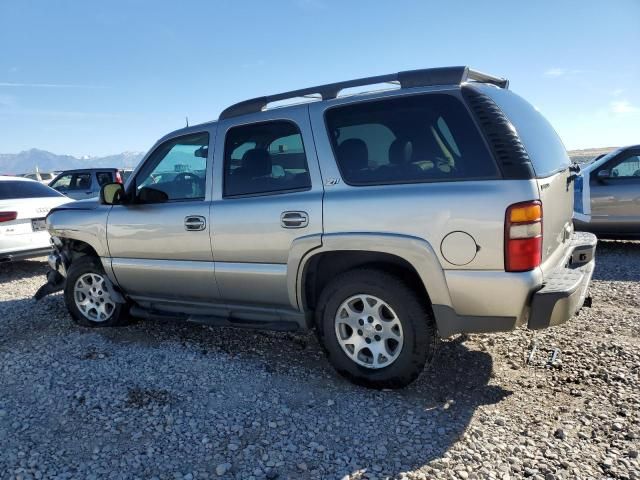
195 223
294 219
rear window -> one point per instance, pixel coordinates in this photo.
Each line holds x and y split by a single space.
545 149
21 189
420 138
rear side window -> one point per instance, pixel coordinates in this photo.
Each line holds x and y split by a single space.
545 149
265 158
11 190
104 178
421 138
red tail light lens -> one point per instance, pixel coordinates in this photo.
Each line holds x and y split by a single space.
118 178
8 216
523 236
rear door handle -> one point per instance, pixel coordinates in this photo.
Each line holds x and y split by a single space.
294 219
195 223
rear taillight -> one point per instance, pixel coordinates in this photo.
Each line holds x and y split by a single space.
523 236
8 216
118 177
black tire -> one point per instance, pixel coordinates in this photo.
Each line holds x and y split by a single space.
414 314
79 267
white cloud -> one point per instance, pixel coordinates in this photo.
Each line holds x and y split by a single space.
555 72
562 72
623 106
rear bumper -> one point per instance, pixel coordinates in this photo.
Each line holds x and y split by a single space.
497 301
565 289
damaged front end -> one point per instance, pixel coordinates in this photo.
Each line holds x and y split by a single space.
59 261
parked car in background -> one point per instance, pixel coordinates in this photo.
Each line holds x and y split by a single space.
24 204
607 195
42 177
85 183
383 220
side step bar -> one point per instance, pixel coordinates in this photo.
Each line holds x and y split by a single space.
215 321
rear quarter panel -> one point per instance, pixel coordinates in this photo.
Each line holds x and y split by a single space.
425 210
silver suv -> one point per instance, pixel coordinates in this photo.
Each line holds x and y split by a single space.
383 220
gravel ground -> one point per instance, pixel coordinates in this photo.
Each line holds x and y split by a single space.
164 400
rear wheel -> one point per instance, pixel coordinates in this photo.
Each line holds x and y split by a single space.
374 328
89 298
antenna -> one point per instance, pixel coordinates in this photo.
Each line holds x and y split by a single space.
187 119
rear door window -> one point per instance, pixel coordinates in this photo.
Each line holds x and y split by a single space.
418 138
265 158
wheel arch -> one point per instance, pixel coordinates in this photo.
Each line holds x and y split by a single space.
399 254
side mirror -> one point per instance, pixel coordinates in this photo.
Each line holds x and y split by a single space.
603 175
152 195
111 194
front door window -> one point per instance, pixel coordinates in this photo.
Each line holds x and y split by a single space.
176 171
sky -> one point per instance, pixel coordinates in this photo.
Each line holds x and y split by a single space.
95 78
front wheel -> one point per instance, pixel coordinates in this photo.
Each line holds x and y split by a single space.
88 296
374 328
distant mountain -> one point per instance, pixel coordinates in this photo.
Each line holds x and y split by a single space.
587 154
26 162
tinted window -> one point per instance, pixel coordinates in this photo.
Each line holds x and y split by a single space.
177 168
629 167
104 178
73 181
409 139
265 158
545 149
12 189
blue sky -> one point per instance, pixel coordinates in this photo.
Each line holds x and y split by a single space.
89 77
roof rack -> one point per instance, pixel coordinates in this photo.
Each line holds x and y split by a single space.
407 79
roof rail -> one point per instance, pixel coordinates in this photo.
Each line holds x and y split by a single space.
407 79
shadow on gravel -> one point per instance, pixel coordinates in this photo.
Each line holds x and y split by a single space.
419 423
211 381
617 260
11 271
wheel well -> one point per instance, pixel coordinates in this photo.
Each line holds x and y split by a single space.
322 267
79 248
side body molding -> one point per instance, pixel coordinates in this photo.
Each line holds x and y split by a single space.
416 251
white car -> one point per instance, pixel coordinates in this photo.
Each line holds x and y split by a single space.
24 204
